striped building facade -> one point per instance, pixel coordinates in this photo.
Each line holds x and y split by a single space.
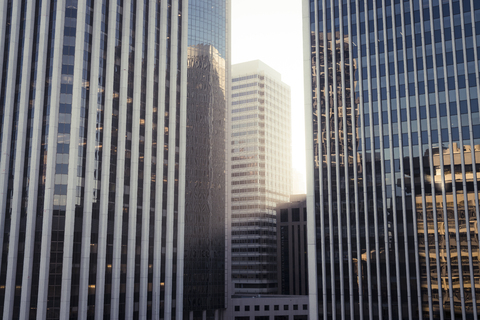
93 140
259 170
393 142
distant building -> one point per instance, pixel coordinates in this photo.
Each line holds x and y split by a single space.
259 170
268 307
292 246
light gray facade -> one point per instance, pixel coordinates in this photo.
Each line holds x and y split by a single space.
259 170
93 140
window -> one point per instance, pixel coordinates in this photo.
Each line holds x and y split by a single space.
237 308
295 214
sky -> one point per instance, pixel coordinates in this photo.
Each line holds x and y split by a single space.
271 31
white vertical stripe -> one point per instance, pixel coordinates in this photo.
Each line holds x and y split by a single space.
19 162
119 186
182 161
51 163
228 187
6 134
355 126
310 199
147 180
106 156
35 161
441 157
90 162
157 249
437 250
75 143
134 161
172 111
382 172
3 30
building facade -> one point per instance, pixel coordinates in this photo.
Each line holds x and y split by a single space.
393 129
205 207
259 170
93 138
292 263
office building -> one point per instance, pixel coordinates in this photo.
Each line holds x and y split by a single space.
259 170
95 192
393 142
292 263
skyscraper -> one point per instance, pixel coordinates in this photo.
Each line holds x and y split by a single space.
393 129
259 172
94 189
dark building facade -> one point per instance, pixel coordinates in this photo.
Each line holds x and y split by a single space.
292 262
394 143
94 190
207 85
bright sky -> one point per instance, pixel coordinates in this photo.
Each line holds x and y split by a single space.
271 31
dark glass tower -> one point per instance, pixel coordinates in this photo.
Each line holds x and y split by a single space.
393 129
94 191
208 71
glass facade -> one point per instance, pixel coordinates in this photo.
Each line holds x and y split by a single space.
208 67
93 139
394 128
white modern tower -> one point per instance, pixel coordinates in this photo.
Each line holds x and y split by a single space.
259 170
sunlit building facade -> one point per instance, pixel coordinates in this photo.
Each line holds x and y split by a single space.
393 142
95 197
259 170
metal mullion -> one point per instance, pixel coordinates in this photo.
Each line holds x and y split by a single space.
182 162
121 146
452 168
434 204
89 167
7 127
477 77
17 194
382 170
392 161
147 181
35 161
312 229
134 162
106 158
444 199
372 164
422 178
346 154
51 163
171 162
474 169
412 180
337 166
157 250
329 171
364 178
3 30
355 177
68 253
400 147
